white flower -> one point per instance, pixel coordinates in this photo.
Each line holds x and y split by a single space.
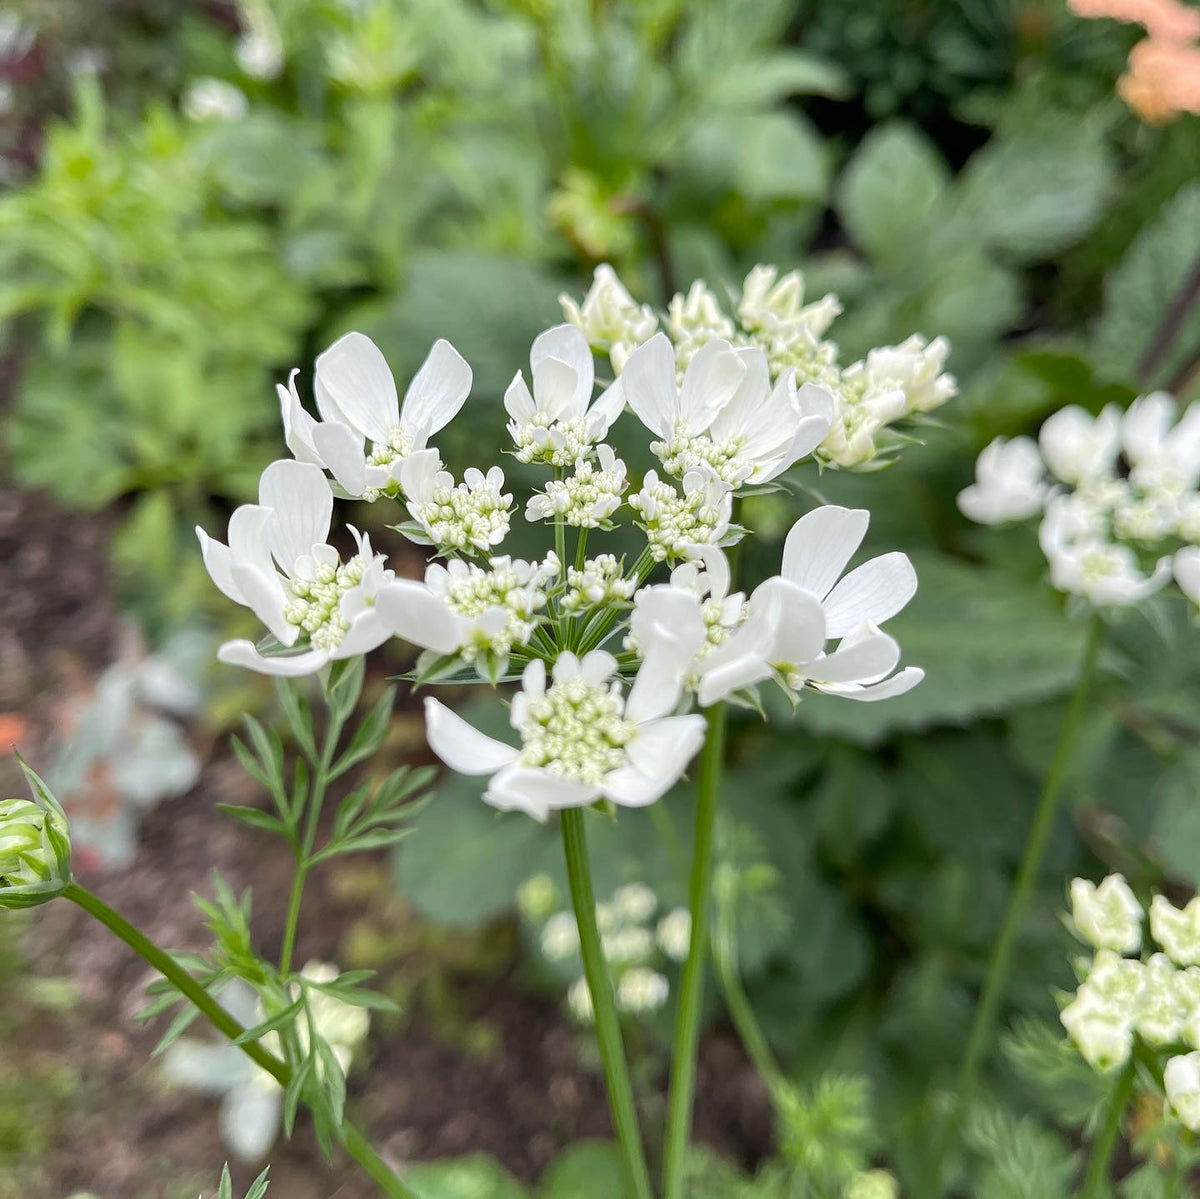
554 422
582 739
914 367
1163 455
560 937
676 525
635 902
773 309
1102 1031
1176 930
585 499
579 1000
211 99
259 53
725 415
694 626
1103 572
358 402
1009 483
625 945
1186 568
602 581
610 319
675 934
1181 1080
465 609
1077 446
1107 916
695 320
642 990
472 515
277 563
806 606
1162 1010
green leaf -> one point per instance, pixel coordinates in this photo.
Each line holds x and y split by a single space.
762 81
178 1026
361 843
255 818
472 1177
987 641
1139 292
299 715
780 157
294 1093
584 1171
369 735
273 1023
344 688
891 190
333 1080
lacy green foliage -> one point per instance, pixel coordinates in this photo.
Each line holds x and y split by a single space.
1022 1160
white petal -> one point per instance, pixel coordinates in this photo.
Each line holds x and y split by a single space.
266 599
243 653
710 381
898 684
200 1066
248 537
662 748
732 672
438 390
533 679
462 747
354 375
412 611
608 406
367 631
297 424
518 402
753 411
417 474
872 593
341 450
820 544
219 564
536 792
250 1120
595 667
568 344
302 505
864 658
795 617
648 381
554 386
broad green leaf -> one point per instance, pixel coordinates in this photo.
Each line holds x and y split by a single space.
1138 294
585 1171
780 157
891 190
473 1177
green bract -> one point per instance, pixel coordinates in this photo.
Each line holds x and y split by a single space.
35 848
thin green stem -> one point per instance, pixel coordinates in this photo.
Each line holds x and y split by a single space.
608 1026
288 945
356 1144
581 549
1095 1182
691 987
1000 966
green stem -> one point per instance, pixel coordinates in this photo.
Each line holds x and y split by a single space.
288 944
1000 965
356 1144
608 1027
691 987
1096 1180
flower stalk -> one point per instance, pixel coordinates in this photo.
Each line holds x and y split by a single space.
608 1027
691 988
359 1148
1000 966
1095 1183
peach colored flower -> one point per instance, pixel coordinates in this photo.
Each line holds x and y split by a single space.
1166 20
1162 81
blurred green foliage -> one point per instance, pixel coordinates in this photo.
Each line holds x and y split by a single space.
446 168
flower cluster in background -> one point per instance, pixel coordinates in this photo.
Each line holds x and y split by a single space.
1116 493
1125 999
640 942
864 400
609 660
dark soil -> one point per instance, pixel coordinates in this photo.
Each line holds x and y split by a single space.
501 1073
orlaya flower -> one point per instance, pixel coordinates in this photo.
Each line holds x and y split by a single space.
279 565
582 738
467 516
1009 483
365 433
1163 455
810 604
1079 447
556 421
725 414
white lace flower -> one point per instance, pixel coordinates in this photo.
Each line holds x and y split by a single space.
601 582
1107 916
560 937
466 609
1102 1031
726 414
556 422
358 402
1162 1010
635 902
641 991
694 320
1077 446
1177 930
472 515
277 563
675 934
582 739
585 499
1009 483
1083 562
773 310
806 606
1181 1080
625 945
610 318
675 524
1163 456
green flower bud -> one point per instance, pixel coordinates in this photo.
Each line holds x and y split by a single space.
35 847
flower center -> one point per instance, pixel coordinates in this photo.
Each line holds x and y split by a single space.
470 514
684 450
316 608
577 729
519 594
555 443
399 444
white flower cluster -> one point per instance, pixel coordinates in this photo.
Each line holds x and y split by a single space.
1125 998
769 317
1118 495
634 947
590 725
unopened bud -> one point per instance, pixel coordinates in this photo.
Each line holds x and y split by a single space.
35 848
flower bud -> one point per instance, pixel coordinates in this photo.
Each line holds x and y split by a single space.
35 848
1107 916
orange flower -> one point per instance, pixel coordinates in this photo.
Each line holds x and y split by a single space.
1165 20
1162 81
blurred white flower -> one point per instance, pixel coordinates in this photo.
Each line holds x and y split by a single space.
279 565
641 991
626 945
582 739
1162 1011
579 1000
1077 446
635 902
1181 1080
560 937
675 934
1107 916
609 318
1102 1031
1176 930
1009 483
209 99
1186 568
